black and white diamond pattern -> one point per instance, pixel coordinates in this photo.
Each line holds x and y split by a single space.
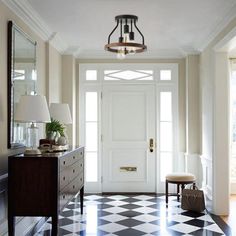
131 215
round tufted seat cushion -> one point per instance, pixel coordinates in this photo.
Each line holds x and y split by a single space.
180 177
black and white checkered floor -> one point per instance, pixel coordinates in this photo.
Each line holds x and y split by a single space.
132 215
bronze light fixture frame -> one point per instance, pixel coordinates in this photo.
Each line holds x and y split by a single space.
126 21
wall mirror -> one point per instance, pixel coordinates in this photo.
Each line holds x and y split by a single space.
22 79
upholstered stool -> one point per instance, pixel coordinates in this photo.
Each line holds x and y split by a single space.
179 179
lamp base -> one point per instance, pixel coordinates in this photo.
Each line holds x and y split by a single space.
31 152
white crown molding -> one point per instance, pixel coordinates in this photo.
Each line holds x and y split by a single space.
56 41
190 51
30 17
73 50
228 43
23 10
220 26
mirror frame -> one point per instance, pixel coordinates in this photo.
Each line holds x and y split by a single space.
10 79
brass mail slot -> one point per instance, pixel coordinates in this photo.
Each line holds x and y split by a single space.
127 168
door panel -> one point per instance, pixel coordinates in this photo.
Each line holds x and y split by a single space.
128 116
120 159
128 124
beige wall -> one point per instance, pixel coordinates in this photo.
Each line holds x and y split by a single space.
182 72
69 93
192 105
53 74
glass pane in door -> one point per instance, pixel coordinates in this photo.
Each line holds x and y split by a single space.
91 136
166 134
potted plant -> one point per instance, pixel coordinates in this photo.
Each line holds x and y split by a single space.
54 129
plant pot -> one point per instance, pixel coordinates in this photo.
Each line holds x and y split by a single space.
51 135
62 141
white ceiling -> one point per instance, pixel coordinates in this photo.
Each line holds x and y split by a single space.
172 28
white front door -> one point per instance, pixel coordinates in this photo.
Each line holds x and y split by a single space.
139 102
128 124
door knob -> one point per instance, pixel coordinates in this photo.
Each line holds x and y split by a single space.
151 145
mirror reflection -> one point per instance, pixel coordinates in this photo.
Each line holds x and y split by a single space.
22 79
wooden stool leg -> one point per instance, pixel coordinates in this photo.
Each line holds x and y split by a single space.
167 192
178 192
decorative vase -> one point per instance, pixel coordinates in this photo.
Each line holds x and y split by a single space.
62 141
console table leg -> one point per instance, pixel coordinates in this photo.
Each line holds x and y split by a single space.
81 193
11 225
54 225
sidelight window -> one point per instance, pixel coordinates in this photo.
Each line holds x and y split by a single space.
166 134
91 136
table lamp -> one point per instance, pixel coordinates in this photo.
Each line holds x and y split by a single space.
32 109
61 112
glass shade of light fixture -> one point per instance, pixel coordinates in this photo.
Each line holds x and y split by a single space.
120 54
34 109
61 112
126 44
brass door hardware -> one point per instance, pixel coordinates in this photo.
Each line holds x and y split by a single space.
151 145
128 168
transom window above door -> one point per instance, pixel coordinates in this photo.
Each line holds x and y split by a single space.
162 73
128 75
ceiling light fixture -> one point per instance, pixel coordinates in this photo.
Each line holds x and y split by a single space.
126 44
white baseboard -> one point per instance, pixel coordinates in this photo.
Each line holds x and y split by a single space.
207 176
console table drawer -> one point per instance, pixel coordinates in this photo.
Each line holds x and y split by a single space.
81 165
71 158
81 154
75 185
70 173
68 160
70 190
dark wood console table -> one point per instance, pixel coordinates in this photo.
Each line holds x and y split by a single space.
43 185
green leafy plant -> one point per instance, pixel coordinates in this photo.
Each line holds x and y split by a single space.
54 127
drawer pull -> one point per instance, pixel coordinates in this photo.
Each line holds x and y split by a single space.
80 179
73 186
64 178
73 171
81 153
64 162
73 157
81 165
63 196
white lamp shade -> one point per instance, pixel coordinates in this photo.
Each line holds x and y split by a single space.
61 112
32 108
